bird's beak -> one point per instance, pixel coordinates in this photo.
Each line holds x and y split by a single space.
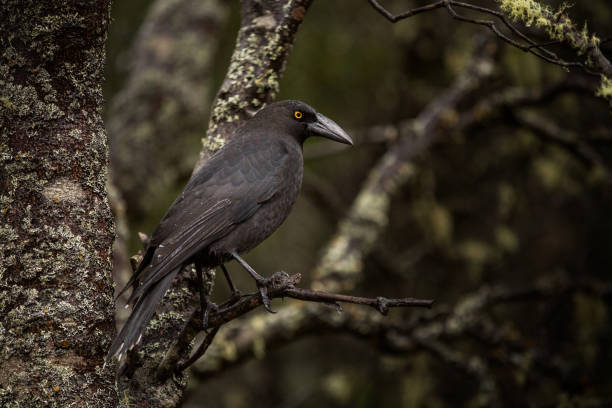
326 127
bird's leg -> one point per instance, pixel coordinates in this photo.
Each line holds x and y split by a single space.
260 280
205 303
235 292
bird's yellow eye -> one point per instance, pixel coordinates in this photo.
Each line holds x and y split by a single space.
297 114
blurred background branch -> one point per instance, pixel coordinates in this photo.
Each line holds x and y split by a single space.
556 24
479 178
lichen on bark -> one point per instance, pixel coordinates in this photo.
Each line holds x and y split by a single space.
263 44
560 27
56 309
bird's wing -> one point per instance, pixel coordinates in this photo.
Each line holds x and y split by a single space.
244 178
161 258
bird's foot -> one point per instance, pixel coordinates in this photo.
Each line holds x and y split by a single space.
278 281
207 306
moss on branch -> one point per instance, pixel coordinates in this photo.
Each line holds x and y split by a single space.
257 64
559 27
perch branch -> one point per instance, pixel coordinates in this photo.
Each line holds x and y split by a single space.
282 285
431 331
381 304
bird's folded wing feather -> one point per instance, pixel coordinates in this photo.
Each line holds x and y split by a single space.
232 188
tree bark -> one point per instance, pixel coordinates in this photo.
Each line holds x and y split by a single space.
56 229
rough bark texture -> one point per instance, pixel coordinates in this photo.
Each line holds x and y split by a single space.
56 305
155 122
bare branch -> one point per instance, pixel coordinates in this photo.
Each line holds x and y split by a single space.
565 139
397 17
430 331
281 285
597 63
380 303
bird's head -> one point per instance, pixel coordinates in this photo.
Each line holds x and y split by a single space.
301 121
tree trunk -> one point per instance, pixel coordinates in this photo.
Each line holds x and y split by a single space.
56 229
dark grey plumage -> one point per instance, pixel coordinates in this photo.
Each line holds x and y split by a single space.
235 201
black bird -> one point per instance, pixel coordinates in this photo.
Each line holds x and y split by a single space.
235 201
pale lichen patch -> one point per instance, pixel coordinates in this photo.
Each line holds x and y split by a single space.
557 24
63 189
266 21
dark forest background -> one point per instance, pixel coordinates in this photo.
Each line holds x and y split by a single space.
505 222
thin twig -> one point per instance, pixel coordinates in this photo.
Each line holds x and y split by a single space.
380 303
470 316
531 47
397 17
280 285
200 350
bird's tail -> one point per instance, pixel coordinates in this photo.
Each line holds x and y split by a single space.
143 310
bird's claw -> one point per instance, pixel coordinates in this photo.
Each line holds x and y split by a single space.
263 293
